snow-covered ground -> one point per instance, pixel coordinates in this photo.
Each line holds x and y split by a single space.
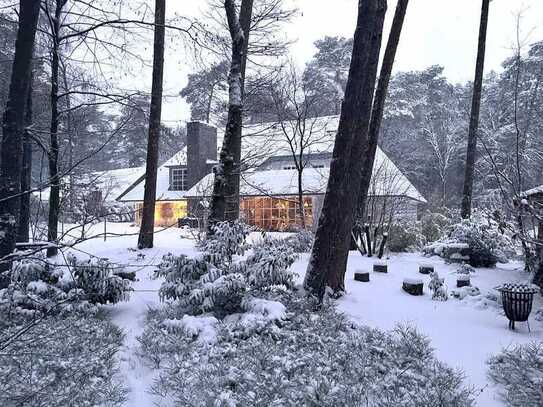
464 333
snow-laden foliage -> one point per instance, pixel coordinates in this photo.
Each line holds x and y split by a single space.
405 237
485 243
199 286
299 356
438 287
58 362
269 262
435 224
227 240
519 370
215 282
99 281
37 289
302 241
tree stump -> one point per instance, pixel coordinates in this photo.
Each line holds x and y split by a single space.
413 286
380 268
463 281
426 269
362 276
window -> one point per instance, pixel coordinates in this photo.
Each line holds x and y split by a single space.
288 167
178 179
318 166
278 214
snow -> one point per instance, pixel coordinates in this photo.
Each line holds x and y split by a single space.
464 332
202 328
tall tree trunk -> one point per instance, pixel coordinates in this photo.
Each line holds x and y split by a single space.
54 179
225 198
331 248
379 104
23 231
474 117
149 198
13 129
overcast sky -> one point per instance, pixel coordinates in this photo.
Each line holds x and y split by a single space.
440 32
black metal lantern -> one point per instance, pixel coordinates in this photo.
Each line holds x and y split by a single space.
517 302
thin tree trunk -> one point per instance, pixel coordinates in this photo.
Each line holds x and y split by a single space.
149 198
225 198
54 179
379 103
301 197
474 117
13 129
23 232
331 248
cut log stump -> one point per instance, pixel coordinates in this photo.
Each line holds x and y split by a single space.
463 281
380 268
426 269
362 276
413 286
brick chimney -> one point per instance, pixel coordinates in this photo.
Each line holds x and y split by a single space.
201 151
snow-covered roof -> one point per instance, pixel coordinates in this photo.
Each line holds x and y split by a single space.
533 191
387 181
112 183
264 140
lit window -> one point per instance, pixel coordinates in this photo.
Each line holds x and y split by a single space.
178 179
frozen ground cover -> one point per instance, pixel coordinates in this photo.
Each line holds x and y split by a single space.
464 333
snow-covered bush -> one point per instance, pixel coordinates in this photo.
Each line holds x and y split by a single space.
438 287
60 362
302 241
99 281
199 286
301 357
269 264
405 237
519 370
435 224
215 283
487 244
227 240
37 289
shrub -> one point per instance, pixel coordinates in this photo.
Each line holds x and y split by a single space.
434 225
99 281
438 288
302 241
404 237
61 362
487 244
519 370
304 358
214 283
226 240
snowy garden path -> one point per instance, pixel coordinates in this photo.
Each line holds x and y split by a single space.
130 315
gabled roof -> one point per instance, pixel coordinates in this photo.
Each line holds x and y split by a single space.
387 181
262 141
112 183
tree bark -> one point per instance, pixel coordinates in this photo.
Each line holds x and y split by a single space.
225 197
474 116
301 195
379 104
23 231
13 128
54 179
149 198
331 248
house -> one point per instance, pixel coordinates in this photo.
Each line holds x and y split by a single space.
269 179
